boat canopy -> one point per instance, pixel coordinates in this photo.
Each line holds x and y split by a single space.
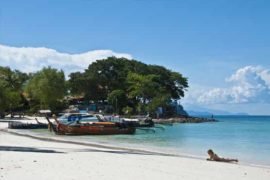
81 117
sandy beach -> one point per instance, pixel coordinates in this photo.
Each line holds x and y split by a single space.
28 158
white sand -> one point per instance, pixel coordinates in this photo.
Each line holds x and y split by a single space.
84 162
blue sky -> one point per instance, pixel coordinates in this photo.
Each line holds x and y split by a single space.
207 41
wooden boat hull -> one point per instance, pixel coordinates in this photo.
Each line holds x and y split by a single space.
147 123
93 130
100 128
97 128
20 125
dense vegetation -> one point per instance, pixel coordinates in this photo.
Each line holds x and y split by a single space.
30 92
46 90
129 86
11 89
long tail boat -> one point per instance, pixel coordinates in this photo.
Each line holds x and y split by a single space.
140 122
20 125
91 128
24 125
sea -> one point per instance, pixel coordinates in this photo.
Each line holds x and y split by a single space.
246 138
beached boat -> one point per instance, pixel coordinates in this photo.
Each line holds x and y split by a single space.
91 128
140 122
21 125
69 118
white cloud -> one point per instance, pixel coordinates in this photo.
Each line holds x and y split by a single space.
30 59
250 84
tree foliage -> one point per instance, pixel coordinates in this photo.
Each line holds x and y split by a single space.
11 89
139 86
117 98
130 86
46 89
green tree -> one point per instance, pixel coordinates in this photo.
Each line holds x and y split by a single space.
162 100
141 83
148 91
4 99
11 89
143 88
47 89
128 111
118 100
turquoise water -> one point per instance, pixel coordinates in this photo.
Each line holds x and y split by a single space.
244 137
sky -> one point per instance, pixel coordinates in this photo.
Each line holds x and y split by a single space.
222 46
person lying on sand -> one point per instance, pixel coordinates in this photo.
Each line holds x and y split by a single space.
215 157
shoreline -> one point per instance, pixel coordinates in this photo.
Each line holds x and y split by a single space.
28 158
143 143
118 147
98 145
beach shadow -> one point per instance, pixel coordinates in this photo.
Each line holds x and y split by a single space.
123 152
27 149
